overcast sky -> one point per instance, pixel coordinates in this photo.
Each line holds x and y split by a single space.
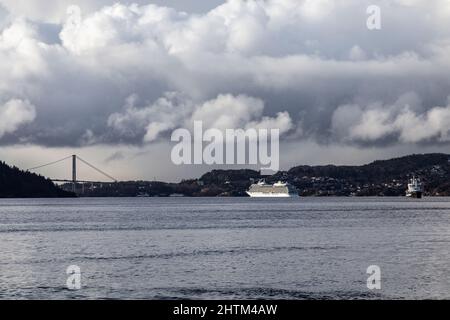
112 85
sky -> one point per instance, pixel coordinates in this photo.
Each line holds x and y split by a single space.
111 80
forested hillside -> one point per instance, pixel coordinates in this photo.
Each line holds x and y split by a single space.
15 183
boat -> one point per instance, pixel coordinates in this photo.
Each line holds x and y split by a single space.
142 195
279 189
415 188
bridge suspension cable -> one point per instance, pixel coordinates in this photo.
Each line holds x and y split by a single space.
74 180
49 164
97 169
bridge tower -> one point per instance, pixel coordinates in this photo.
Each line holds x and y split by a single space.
74 180
74 173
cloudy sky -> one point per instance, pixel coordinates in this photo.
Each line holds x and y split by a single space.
113 83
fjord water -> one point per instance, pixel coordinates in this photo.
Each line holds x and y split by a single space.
229 248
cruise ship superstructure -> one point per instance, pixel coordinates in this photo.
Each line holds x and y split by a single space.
279 189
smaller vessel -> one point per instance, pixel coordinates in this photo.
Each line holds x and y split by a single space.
415 188
279 189
142 195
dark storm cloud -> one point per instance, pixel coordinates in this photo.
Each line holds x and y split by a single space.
130 74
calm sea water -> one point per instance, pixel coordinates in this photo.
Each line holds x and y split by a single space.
228 248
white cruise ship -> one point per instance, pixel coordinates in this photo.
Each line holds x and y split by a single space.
415 188
279 189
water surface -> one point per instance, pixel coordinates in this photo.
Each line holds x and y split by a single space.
227 248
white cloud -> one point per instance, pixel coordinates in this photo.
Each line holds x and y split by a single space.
356 53
229 112
260 63
282 121
14 114
145 124
55 11
435 123
377 122
174 110
374 125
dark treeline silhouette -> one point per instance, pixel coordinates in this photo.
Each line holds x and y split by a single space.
15 183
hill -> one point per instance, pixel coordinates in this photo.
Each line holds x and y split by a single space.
15 183
379 178
384 177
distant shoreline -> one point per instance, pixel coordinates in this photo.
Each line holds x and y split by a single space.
387 178
221 197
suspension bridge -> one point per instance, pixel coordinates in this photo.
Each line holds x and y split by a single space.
74 181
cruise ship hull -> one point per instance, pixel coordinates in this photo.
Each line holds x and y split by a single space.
271 195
